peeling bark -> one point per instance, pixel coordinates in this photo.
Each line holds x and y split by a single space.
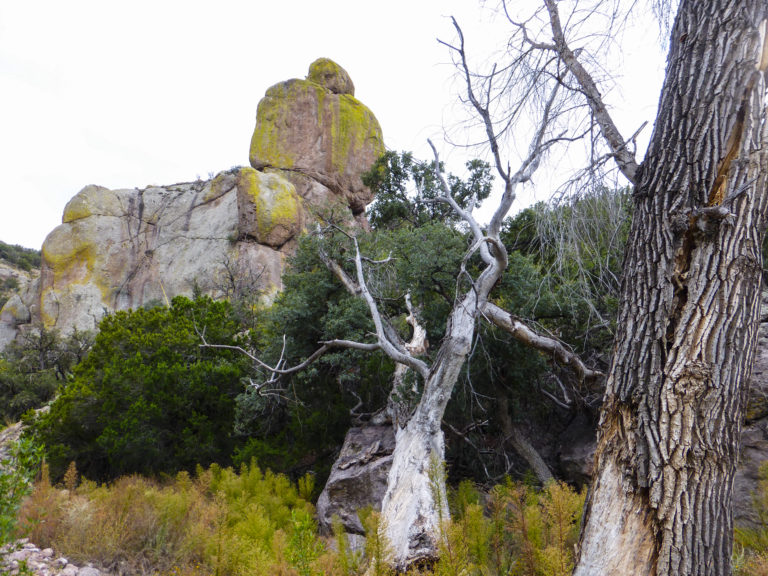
673 405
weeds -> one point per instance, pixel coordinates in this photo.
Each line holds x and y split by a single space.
221 523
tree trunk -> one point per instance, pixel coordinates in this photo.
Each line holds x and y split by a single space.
517 438
668 446
410 511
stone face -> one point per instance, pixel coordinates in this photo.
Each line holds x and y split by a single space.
358 477
331 76
304 126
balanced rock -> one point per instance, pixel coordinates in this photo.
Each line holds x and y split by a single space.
121 249
317 128
330 75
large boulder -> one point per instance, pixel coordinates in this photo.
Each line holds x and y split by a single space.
120 249
269 207
318 128
358 477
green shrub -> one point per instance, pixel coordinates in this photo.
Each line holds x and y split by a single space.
24 258
147 398
219 522
17 472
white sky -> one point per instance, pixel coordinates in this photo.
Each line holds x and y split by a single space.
127 94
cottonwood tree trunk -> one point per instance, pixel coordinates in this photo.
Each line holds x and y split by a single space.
669 431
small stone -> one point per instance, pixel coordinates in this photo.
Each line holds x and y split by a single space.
89 571
30 546
70 570
47 553
20 555
62 561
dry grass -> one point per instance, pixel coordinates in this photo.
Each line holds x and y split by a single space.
222 523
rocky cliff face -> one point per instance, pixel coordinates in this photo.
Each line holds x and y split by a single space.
119 249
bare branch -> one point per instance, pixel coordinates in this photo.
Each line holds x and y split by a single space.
624 158
450 200
276 369
527 336
386 345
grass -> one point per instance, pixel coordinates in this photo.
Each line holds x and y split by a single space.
223 522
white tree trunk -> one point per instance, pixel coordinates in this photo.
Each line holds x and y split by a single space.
410 514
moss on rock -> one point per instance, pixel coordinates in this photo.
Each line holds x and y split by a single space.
270 208
331 76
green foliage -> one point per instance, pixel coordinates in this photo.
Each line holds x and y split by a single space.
20 257
256 522
17 471
303 547
31 370
378 550
148 398
579 245
406 190
348 562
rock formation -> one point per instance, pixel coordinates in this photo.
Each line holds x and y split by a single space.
358 477
119 249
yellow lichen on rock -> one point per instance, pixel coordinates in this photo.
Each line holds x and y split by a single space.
318 128
269 207
89 201
330 75
70 256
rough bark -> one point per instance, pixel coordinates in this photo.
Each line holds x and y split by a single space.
661 500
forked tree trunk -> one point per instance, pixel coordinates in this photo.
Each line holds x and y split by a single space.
669 431
410 511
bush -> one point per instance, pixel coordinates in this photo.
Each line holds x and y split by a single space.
17 472
24 258
148 399
257 522
32 369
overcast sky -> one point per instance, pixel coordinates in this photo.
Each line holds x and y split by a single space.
127 94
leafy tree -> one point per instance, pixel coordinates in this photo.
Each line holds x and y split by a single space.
33 368
24 258
393 178
147 398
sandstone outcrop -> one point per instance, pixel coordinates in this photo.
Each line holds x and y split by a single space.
120 249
